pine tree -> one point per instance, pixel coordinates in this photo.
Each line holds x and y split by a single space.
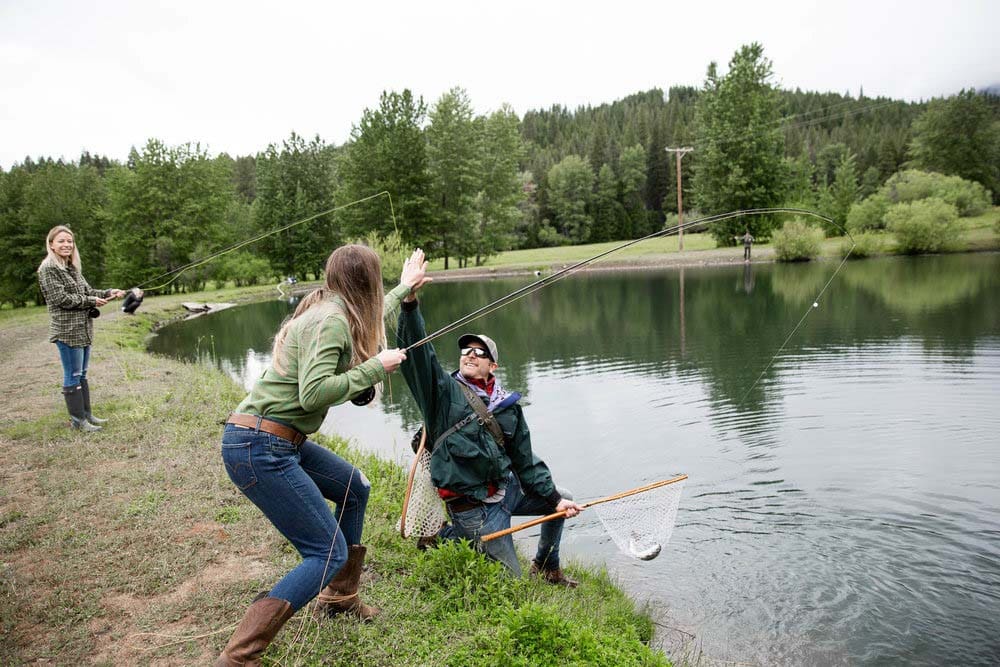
739 145
500 191
388 152
453 164
295 182
165 209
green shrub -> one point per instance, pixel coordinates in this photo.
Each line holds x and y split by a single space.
922 226
549 237
867 244
391 253
670 220
868 214
968 197
797 241
458 577
243 268
541 634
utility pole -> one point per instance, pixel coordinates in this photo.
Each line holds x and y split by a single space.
680 152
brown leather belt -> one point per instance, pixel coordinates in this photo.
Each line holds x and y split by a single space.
463 504
292 435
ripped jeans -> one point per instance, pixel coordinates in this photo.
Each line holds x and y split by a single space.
74 363
291 485
490 517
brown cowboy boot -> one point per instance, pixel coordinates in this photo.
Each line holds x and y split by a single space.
341 595
257 629
556 576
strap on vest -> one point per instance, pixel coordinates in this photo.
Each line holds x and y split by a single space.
480 413
485 416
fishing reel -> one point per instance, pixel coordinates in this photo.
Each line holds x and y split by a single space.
364 398
93 312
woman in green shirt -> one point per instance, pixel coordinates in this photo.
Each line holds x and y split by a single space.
331 349
72 303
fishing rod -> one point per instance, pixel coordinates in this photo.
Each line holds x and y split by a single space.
562 273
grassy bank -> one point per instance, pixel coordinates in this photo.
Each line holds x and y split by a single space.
973 234
131 546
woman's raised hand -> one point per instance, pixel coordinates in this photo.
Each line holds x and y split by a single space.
98 301
391 359
414 273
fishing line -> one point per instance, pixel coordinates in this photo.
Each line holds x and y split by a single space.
241 244
815 304
548 280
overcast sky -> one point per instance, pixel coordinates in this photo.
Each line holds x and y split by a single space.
104 76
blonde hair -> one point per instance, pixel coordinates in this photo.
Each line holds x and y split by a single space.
52 257
354 273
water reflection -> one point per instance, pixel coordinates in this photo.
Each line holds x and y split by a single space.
843 512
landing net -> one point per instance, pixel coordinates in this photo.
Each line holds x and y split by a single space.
423 509
641 523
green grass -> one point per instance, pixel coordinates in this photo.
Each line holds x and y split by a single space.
975 234
544 258
131 545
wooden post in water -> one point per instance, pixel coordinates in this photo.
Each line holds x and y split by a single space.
682 311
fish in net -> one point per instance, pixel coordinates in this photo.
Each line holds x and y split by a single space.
640 520
641 524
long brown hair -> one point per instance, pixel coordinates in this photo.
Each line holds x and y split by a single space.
51 256
354 273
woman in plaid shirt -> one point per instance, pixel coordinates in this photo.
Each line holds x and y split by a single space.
70 301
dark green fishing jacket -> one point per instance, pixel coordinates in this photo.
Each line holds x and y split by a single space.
469 459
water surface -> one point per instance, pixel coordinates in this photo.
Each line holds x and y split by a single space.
844 491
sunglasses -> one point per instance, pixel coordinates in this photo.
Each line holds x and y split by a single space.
478 351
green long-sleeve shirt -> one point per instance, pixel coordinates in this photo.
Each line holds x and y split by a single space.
317 356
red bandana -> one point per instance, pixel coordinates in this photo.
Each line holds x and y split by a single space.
485 385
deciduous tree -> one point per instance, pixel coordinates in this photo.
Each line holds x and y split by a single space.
570 184
961 136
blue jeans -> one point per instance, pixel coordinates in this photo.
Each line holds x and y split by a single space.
291 485
491 517
74 363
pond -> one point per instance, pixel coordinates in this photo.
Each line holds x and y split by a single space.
844 488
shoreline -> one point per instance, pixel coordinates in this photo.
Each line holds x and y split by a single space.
677 260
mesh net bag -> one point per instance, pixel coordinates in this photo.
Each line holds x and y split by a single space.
641 523
423 509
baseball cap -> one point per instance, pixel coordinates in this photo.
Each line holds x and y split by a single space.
483 340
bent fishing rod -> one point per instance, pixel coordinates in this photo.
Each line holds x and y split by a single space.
562 273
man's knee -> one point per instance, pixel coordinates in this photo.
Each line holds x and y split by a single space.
362 487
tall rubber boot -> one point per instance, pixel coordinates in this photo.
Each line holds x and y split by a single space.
255 632
77 414
341 595
96 421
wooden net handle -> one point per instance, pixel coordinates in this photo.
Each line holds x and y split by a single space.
558 515
409 480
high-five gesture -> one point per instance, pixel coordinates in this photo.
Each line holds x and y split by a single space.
414 273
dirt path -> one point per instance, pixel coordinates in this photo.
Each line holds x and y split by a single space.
79 583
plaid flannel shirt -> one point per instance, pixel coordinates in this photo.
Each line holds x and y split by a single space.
68 297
